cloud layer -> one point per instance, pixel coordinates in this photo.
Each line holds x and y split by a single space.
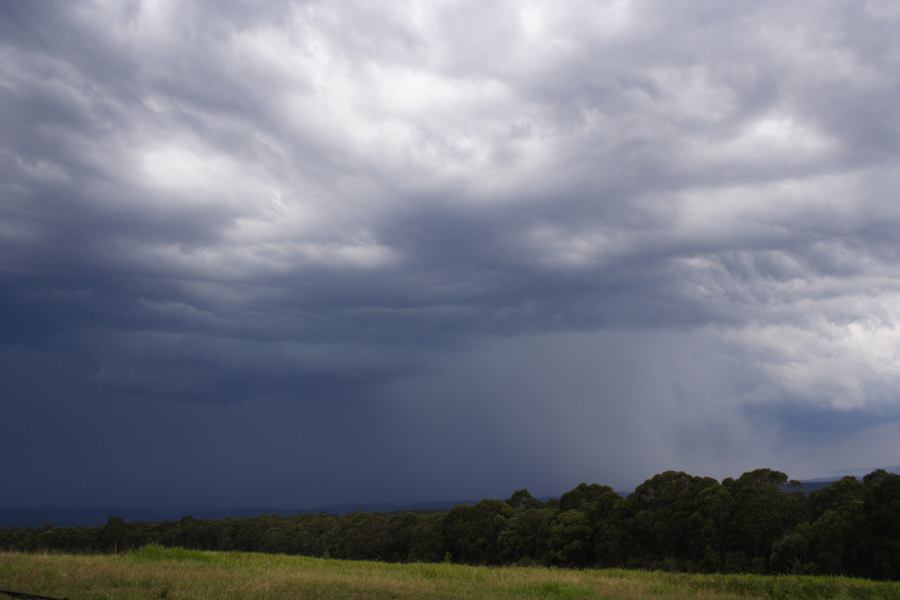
503 243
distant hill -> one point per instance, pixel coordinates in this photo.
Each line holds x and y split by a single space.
812 485
95 516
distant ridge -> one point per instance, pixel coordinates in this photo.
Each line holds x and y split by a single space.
96 516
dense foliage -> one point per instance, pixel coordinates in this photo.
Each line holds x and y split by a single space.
758 523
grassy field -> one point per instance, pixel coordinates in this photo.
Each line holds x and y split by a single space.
156 573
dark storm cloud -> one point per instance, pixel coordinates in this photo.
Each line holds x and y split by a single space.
398 215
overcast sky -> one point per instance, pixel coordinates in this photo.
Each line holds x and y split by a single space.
289 254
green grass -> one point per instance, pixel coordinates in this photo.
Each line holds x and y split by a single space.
177 574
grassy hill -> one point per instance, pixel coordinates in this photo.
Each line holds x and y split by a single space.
159 573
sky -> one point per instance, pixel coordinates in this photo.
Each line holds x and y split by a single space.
291 254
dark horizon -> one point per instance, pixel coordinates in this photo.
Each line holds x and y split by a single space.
86 516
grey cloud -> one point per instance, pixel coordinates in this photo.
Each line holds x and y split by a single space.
340 205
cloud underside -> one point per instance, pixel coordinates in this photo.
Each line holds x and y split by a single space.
626 221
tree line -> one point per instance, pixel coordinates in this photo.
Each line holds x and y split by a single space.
758 523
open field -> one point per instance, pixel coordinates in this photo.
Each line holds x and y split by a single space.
155 573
